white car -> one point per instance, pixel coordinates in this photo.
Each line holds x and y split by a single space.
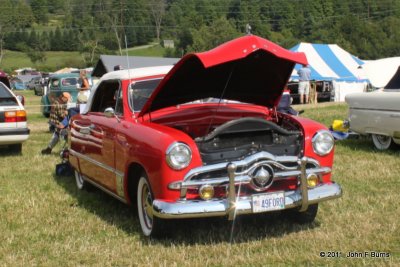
377 114
13 125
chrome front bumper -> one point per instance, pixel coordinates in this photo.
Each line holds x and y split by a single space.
239 172
201 208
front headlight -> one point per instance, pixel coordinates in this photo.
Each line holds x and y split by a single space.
178 156
323 142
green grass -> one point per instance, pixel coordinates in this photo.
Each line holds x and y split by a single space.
152 51
46 221
55 60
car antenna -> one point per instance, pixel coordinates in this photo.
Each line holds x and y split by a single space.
129 76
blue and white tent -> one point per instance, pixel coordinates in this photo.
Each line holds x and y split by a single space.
329 62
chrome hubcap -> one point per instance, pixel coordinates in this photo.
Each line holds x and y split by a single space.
147 206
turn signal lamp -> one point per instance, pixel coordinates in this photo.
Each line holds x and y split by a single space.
206 192
312 180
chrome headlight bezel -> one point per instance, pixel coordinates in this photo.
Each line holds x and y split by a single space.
323 142
175 150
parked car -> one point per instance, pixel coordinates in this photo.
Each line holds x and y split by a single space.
17 84
33 82
152 137
57 84
13 125
377 114
41 87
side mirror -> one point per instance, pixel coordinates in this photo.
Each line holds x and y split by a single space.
21 99
109 112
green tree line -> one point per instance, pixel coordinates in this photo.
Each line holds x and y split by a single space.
369 29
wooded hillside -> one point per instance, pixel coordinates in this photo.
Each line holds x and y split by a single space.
369 29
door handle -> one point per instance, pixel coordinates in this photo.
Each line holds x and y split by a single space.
395 116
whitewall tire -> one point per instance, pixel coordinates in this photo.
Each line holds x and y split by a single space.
381 142
150 225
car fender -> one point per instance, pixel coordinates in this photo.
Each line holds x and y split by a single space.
310 128
146 144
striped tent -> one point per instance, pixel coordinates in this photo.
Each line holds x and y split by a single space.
330 62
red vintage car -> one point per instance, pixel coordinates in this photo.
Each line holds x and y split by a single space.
203 138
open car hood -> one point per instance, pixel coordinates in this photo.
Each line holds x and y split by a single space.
247 69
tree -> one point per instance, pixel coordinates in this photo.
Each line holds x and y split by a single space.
157 9
207 37
6 24
40 10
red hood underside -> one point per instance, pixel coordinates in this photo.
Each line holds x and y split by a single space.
248 69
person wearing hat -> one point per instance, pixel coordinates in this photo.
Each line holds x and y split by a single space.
58 113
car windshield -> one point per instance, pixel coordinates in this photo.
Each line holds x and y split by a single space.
139 93
6 98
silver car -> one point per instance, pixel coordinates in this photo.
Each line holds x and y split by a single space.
377 114
13 125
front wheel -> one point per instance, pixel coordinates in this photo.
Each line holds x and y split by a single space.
151 225
381 142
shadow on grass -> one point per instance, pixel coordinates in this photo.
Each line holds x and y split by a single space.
184 231
6 151
365 144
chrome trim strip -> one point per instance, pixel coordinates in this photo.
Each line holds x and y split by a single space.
245 162
105 189
119 176
246 178
119 180
232 190
251 163
373 109
303 185
220 207
95 162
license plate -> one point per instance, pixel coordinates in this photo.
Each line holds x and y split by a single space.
268 202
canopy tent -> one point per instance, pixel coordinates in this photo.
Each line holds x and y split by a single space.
380 71
67 70
394 83
330 62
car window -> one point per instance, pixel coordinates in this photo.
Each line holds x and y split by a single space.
6 98
105 96
69 81
139 93
55 83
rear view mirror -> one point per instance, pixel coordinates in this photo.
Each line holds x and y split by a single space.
109 112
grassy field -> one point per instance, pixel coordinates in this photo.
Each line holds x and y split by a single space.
55 60
46 221
58 60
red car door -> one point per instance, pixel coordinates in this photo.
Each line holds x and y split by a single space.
94 136
97 134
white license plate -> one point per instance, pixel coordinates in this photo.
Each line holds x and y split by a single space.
268 202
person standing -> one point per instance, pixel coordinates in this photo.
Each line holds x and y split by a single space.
304 83
57 115
84 88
